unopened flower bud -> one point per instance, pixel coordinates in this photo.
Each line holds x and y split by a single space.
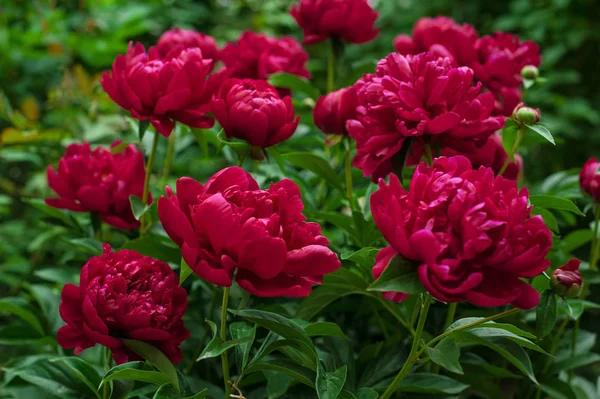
530 72
526 115
566 280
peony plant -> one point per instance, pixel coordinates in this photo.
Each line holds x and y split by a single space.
366 237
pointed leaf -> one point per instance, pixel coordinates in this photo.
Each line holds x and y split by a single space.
446 354
135 371
400 275
330 384
546 313
240 330
432 384
316 164
542 131
552 202
156 357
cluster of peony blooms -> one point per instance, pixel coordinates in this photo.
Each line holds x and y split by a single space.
469 232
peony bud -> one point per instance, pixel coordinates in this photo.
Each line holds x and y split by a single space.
589 178
526 115
530 72
566 280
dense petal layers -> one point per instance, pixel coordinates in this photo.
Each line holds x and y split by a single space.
257 56
98 181
230 224
175 40
589 178
497 60
470 232
422 97
163 91
333 110
252 110
124 295
352 21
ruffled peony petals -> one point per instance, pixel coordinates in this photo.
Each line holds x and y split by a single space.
282 285
312 260
175 223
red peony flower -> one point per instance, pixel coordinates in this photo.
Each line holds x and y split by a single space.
349 20
421 97
257 56
566 280
163 91
230 224
124 295
496 60
175 40
383 258
443 37
252 110
491 155
333 110
589 178
470 232
97 181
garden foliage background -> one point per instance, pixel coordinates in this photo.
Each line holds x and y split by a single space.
51 55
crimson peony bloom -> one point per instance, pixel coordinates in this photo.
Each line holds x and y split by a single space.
333 110
422 97
491 155
175 40
252 110
470 232
441 36
163 91
383 258
230 224
257 56
349 20
97 181
566 280
496 60
589 179
124 295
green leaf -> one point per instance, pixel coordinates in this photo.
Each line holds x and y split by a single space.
135 371
548 217
12 306
142 127
492 332
88 245
480 363
156 357
239 147
272 151
64 216
509 135
558 389
83 370
546 313
298 373
240 330
431 383
400 275
366 393
542 131
216 346
552 202
118 148
490 324
184 271
576 239
316 164
199 395
506 348
155 248
166 391
574 362
446 354
324 329
320 298
137 207
294 83
364 257
330 384
278 324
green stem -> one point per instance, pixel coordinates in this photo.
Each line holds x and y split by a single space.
447 323
412 357
469 325
348 173
428 155
223 332
169 158
96 225
513 151
390 307
147 180
241 160
331 68
554 345
107 359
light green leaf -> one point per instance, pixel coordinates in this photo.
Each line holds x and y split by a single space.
135 371
239 331
546 313
324 329
294 83
316 164
330 384
400 275
184 271
432 384
552 202
446 354
156 357
216 346
542 131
